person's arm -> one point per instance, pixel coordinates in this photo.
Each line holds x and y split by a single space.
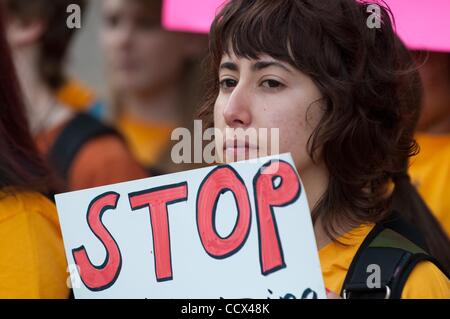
103 161
32 258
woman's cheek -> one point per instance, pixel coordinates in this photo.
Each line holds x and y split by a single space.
293 139
219 106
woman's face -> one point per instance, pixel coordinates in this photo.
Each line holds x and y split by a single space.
140 55
435 75
266 93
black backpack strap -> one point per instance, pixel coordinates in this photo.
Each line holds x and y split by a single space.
78 131
394 254
399 225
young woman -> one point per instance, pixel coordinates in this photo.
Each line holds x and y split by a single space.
84 152
32 259
345 98
152 76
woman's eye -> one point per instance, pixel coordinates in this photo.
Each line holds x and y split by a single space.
228 84
112 21
272 84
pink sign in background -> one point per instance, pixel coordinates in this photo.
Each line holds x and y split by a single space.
422 24
190 15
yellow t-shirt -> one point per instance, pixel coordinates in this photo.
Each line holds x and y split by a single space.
430 172
425 281
147 141
32 258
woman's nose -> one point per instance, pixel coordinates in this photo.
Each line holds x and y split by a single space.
123 36
237 112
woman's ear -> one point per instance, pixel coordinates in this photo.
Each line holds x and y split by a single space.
24 34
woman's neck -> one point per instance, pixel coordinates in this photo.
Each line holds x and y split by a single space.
42 108
315 181
162 106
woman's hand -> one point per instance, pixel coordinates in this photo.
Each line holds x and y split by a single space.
332 295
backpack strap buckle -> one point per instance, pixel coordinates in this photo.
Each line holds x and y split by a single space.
347 292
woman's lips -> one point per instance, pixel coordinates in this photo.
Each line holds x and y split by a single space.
239 150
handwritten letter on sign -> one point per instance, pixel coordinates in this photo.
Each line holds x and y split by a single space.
233 231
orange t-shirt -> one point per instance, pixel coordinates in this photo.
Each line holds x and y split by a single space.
103 160
75 95
147 141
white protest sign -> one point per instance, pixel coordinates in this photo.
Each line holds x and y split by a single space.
241 230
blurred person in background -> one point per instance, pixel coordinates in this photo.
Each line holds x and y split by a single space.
32 258
84 152
54 46
152 74
430 169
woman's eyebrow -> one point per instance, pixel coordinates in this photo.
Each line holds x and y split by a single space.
258 66
229 66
